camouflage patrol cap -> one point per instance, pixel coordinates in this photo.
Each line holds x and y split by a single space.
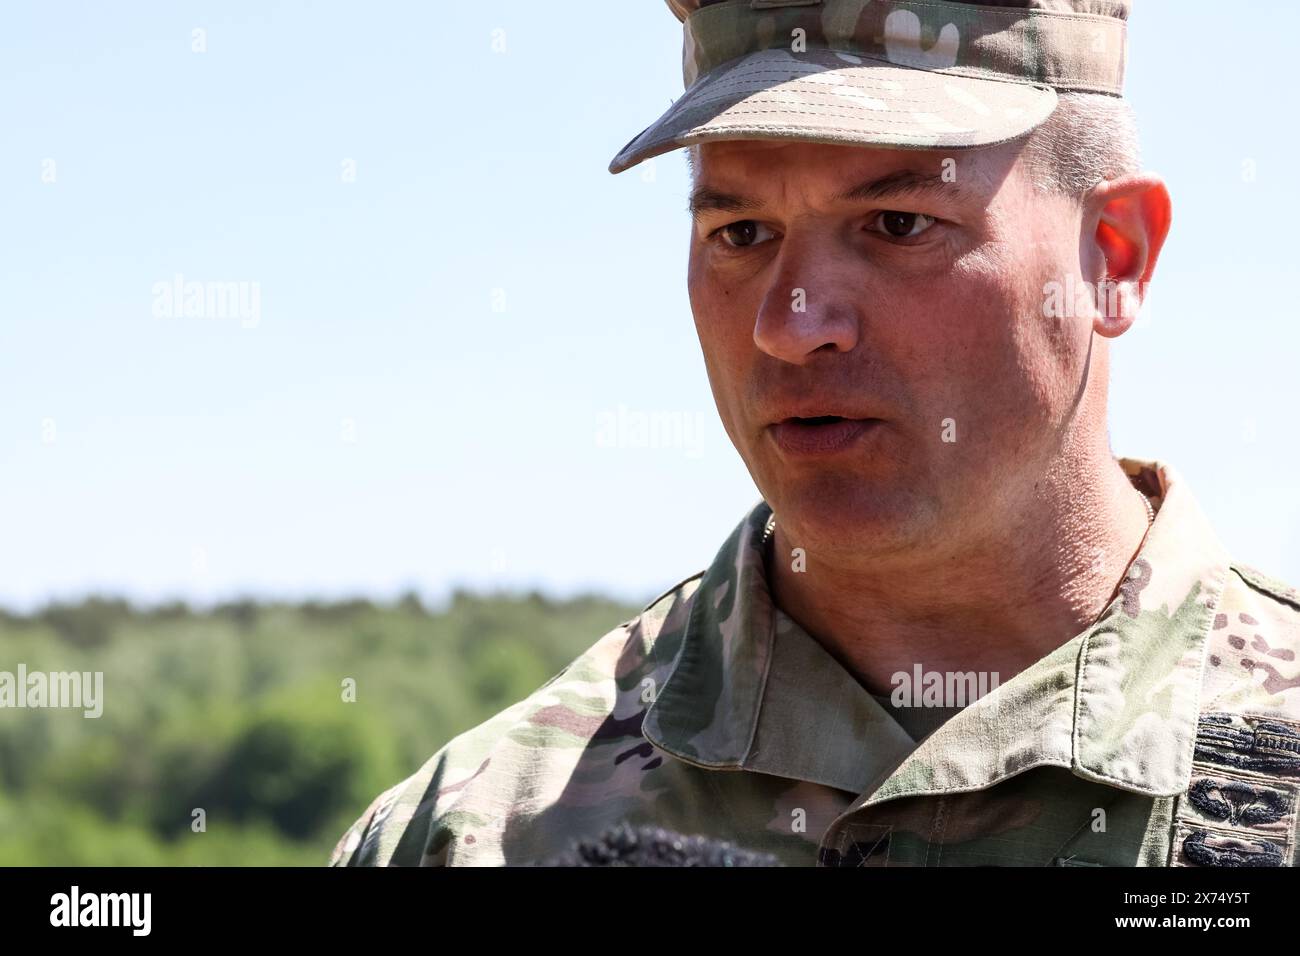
902 73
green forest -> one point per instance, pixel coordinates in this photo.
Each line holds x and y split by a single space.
254 734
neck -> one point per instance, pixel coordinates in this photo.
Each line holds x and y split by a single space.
993 597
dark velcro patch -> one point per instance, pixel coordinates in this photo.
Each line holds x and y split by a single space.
1237 801
1203 849
1263 745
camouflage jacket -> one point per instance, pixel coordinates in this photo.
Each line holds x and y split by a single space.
1167 733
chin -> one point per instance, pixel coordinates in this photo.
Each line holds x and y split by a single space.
839 511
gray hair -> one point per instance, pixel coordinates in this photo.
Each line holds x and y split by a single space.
1088 138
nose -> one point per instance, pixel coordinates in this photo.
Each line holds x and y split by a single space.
812 303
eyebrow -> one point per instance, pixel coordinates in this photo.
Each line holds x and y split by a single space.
903 182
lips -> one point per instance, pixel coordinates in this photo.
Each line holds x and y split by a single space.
820 434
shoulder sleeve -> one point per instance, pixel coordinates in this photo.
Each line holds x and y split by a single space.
416 822
404 825
395 829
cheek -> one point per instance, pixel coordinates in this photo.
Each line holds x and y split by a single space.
724 323
959 327
724 344
968 346
707 301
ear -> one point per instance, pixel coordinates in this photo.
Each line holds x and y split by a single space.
1126 220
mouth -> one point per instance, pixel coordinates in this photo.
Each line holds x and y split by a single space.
820 420
820 434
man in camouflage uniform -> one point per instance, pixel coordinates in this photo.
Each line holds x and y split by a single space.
886 204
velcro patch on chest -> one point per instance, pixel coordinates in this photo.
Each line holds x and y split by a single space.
1240 808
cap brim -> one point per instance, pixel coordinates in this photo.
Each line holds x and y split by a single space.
824 96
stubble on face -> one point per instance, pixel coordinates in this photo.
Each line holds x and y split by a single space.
941 341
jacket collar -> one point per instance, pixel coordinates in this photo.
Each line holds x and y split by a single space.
750 689
1117 704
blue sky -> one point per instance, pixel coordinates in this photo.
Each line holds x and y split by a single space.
461 314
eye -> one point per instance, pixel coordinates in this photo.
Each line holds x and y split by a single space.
902 225
741 234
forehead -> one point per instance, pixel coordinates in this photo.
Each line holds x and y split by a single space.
835 168
745 174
